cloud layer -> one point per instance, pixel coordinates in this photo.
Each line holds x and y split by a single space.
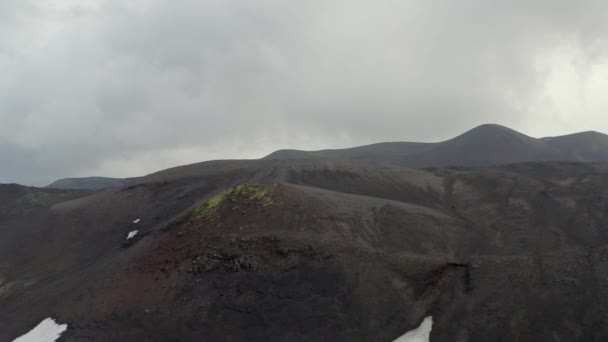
115 88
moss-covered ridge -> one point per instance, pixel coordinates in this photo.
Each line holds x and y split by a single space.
242 195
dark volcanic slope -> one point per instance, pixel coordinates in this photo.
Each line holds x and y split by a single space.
376 152
314 251
484 145
585 146
90 183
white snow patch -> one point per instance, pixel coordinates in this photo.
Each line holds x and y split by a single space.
137 221
132 234
420 334
47 331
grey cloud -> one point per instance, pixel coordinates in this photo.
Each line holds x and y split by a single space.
120 88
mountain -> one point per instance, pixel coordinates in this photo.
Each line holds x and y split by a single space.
314 250
90 183
482 146
584 146
375 152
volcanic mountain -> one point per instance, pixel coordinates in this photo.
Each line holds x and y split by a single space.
482 146
320 250
485 145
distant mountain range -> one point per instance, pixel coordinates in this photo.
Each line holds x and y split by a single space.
482 146
89 183
485 145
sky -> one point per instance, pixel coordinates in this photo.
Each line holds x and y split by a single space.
124 88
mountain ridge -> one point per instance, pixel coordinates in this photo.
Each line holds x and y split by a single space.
89 183
484 145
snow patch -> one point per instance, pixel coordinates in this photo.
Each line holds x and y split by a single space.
420 334
47 331
132 234
137 221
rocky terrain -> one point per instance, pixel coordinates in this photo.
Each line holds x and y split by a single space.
311 250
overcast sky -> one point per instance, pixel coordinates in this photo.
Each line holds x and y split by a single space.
124 88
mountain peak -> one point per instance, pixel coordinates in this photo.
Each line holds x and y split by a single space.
493 129
491 126
485 134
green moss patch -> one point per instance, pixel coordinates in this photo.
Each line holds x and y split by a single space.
209 209
240 196
251 194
